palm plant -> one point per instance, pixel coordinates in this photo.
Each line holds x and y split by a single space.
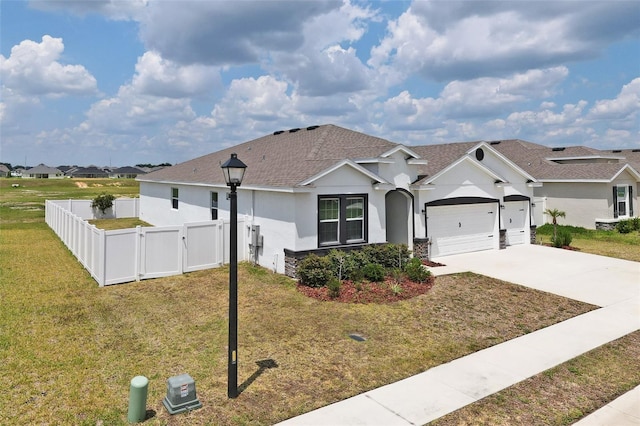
555 214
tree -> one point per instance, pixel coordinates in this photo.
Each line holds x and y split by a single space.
555 214
103 202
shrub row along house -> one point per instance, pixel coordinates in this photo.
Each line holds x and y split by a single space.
311 189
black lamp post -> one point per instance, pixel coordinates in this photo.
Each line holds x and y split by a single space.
233 173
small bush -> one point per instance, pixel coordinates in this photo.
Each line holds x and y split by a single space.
314 271
103 202
563 238
415 271
357 275
345 264
373 272
333 286
627 225
387 255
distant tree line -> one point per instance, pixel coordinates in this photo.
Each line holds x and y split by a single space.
151 166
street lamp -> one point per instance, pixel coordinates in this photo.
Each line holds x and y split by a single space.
233 170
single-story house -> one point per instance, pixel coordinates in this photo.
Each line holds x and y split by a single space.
4 171
126 172
87 172
312 189
43 172
594 188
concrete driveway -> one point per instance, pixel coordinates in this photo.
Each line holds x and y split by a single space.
599 280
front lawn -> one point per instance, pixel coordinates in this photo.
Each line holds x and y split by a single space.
604 243
70 348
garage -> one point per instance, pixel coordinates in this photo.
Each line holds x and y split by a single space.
461 225
514 219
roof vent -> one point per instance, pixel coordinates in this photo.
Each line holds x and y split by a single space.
294 130
494 142
561 148
312 127
277 132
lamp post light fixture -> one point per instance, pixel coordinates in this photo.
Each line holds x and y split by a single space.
233 170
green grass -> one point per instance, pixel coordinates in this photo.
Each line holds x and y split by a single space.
605 243
563 394
26 203
70 348
124 223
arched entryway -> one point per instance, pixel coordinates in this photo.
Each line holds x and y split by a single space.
399 217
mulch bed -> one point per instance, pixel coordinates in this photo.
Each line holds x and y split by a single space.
563 247
432 264
367 292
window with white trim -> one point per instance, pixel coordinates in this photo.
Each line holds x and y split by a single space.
622 201
342 219
174 198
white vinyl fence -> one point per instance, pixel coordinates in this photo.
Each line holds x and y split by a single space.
126 255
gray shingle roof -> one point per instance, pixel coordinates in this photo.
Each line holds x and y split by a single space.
280 160
287 158
42 169
536 160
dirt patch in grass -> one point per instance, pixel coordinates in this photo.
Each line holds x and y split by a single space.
563 394
81 185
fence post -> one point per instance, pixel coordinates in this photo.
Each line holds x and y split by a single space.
138 250
102 259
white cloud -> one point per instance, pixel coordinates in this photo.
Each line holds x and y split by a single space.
130 112
250 100
468 39
33 69
625 106
160 77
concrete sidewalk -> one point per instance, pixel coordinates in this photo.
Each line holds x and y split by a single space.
624 411
438 391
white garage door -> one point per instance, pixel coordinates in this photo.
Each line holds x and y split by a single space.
462 228
514 218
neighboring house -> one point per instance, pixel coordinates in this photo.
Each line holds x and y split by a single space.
594 188
4 171
126 173
18 172
321 187
87 172
43 172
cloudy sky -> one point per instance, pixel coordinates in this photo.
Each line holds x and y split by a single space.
150 81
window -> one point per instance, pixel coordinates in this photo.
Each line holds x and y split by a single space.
622 201
355 219
174 198
342 219
214 206
329 218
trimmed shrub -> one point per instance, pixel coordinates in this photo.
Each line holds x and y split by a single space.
314 271
562 239
333 286
387 255
416 271
373 272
